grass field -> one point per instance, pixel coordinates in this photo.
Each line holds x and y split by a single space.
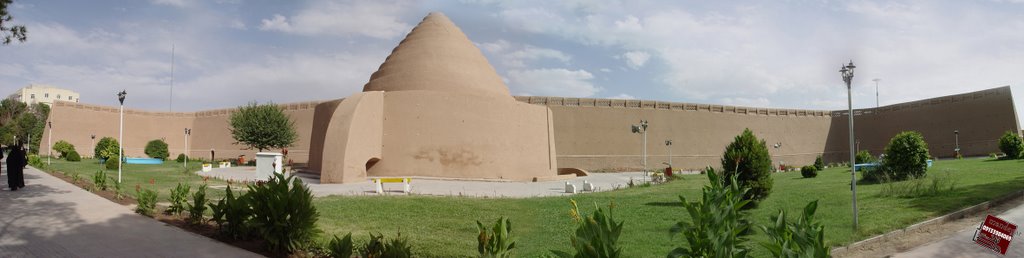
445 226
164 176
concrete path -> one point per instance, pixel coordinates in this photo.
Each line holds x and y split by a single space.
52 218
449 187
961 243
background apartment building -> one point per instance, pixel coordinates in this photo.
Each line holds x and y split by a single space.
39 93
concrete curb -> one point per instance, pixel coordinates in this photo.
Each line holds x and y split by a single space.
934 221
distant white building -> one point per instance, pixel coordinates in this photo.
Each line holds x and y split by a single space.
39 93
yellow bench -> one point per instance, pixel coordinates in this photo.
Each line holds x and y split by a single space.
380 183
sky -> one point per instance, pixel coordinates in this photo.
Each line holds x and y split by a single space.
783 54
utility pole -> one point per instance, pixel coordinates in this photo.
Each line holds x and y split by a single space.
876 80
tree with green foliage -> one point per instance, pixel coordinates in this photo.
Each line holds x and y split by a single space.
157 149
906 156
863 157
819 164
1011 145
747 158
262 127
9 32
63 147
104 146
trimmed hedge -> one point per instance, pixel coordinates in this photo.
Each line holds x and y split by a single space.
906 157
157 149
809 171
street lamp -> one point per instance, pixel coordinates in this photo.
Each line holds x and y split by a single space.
876 80
49 141
120 135
956 138
187 133
668 143
642 128
93 137
847 72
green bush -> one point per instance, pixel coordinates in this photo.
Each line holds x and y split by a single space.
596 235
118 190
181 158
99 180
111 164
397 247
35 161
863 157
198 206
103 147
283 213
232 214
63 147
906 156
929 185
147 202
1011 144
803 238
809 171
718 223
178 199
747 158
157 149
262 126
341 247
818 164
496 243
73 156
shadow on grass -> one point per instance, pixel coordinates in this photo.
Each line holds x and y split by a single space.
965 196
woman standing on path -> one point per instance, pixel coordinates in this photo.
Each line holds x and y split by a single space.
15 164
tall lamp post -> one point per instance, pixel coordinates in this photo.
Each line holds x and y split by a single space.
187 133
847 72
120 135
642 129
93 137
49 142
956 139
669 144
876 80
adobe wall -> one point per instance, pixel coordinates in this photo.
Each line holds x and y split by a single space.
595 134
75 122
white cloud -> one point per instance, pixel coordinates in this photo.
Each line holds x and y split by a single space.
237 24
747 102
175 3
375 19
622 96
605 70
519 55
553 82
636 59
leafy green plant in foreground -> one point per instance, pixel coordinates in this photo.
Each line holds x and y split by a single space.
177 198
717 223
497 242
198 206
596 236
803 238
341 247
377 247
231 214
99 180
283 213
146 201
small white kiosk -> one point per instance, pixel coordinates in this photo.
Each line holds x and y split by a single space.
268 164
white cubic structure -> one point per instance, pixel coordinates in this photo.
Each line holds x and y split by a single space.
268 164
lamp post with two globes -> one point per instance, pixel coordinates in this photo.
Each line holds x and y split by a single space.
847 72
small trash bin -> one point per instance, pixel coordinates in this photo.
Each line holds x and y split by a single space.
668 172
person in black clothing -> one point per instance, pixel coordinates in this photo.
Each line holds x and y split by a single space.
15 164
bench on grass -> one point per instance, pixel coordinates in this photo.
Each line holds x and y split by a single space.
380 183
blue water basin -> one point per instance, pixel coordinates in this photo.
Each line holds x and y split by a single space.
147 161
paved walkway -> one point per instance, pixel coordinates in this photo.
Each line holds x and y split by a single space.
52 218
961 243
450 187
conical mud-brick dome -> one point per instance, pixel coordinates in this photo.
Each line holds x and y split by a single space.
436 56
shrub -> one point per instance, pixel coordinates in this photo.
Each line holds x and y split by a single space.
147 202
863 157
803 238
178 199
929 185
103 147
35 161
99 180
1011 144
906 156
111 164
341 247
496 243
63 148
231 214
118 190
283 216
157 149
377 247
181 158
75 177
809 171
597 235
820 165
198 206
747 158
717 224
73 156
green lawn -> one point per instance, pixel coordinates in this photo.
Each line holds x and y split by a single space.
444 226
164 176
